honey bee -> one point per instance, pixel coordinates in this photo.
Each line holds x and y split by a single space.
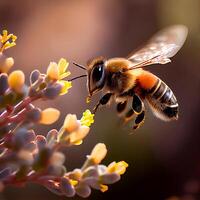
124 79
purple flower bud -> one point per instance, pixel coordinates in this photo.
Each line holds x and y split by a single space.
33 115
53 91
3 83
34 76
22 137
83 190
66 187
52 137
110 178
41 141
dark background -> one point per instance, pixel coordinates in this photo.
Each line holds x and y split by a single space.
163 157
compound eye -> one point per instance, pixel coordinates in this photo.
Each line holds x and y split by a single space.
98 73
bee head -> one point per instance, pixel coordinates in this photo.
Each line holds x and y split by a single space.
96 75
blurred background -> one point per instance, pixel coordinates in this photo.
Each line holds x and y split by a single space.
163 158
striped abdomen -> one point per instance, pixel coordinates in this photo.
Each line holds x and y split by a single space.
162 101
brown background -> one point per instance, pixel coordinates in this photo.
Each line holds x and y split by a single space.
163 157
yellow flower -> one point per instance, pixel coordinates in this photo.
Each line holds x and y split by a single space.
98 153
7 40
65 86
73 182
57 72
103 188
62 67
119 167
16 80
87 118
72 131
49 116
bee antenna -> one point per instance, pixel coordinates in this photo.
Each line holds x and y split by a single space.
80 66
77 77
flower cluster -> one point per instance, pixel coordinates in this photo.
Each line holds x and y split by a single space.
26 156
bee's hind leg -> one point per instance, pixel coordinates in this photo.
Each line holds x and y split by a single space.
138 108
103 101
139 120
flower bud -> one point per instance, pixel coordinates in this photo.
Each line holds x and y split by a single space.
52 71
34 115
49 116
22 137
3 83
71 123
16 80
41 141
52 137
5 63
34 76
53 91
98 153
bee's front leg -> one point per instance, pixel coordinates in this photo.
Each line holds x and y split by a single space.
103 101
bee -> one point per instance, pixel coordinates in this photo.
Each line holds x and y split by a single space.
125 79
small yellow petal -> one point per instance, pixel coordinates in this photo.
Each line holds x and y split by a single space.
49 116
14 38
64 75
98 153
118 168
87 118
103 188
62 66
52 71
66 85
9 45
73 182
16 80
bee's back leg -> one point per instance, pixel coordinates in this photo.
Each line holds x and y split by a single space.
137 104
139 110
139 120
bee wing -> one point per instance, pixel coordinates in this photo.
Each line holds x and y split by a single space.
162 46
